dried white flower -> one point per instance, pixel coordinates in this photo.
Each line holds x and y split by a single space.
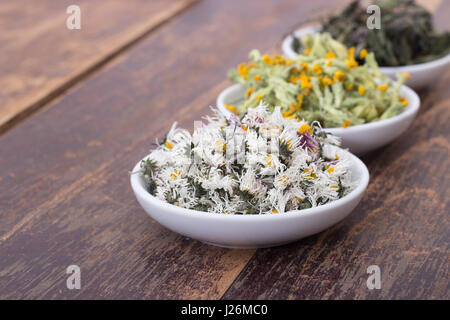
262 163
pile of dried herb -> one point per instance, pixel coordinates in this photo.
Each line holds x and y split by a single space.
259 164
325 84
406 36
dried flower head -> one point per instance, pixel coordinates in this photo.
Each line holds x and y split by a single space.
261 163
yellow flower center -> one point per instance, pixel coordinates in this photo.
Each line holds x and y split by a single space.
339 76
351 63
243 70
305 128
175 174
317 69
269 160
267 59
361 90
326 81
304 66
168 145
221 145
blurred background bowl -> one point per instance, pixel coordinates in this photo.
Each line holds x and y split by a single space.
422 74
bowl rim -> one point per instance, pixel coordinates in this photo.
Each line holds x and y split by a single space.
137 185
314 28
409 111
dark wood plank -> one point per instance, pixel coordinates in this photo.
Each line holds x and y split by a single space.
64 193
76 205
40 57
401 224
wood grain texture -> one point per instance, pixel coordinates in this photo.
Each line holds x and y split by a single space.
65 196
64 191
40 57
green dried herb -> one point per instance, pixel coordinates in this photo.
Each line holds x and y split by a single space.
284 150
406 36
325 84
149 166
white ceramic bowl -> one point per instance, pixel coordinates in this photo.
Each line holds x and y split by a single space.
422 74
252 231
360 139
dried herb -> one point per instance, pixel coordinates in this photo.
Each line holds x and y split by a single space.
269 180
326 84
285 152
406 36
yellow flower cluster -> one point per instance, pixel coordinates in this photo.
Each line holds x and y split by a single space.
339 76
277 59
326 80
305 79
244 69
330 55
323 71
301 75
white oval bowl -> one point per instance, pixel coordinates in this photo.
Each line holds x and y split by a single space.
360 139
422 74
252 231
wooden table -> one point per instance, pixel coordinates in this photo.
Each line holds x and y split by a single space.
80 107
